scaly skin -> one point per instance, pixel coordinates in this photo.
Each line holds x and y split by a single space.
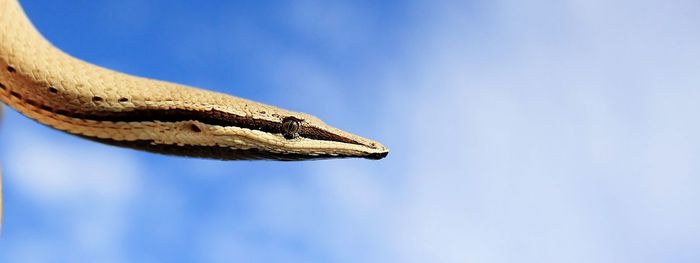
71 95
53 88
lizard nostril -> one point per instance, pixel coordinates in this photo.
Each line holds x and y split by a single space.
195 128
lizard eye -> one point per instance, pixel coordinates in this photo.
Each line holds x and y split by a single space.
290 128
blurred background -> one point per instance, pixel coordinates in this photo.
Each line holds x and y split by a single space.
520 131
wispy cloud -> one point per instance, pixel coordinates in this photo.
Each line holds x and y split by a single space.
536 132
520 131
79 189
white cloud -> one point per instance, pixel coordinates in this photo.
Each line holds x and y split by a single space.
53 173
535 132
520 131
80 188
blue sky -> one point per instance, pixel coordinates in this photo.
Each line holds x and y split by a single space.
520 131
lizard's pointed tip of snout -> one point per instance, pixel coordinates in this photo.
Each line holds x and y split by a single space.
378 155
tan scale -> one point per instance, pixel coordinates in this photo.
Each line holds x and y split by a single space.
55 89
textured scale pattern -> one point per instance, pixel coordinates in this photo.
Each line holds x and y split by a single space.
47 85
53 88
